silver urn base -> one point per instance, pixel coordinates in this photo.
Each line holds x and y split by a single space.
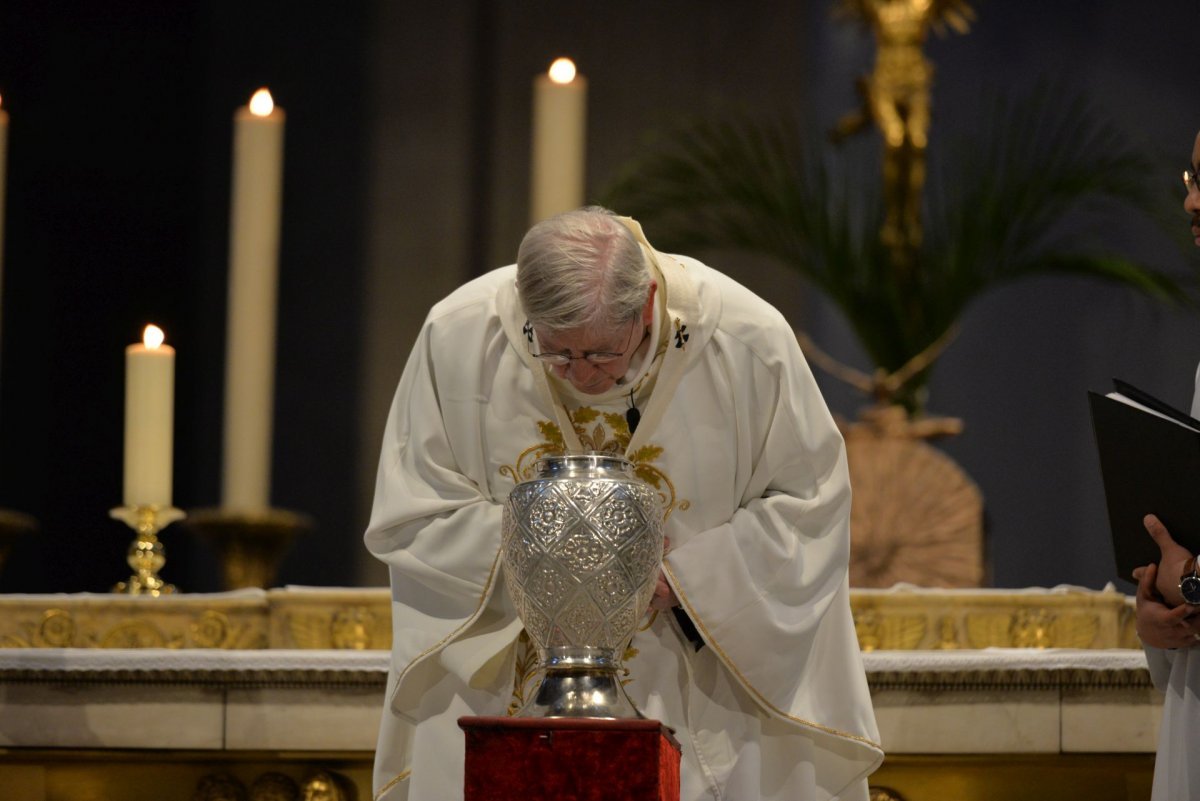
580 683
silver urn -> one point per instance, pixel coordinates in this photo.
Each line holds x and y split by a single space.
582 542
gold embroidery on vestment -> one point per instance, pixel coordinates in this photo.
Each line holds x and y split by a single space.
601 432
404 774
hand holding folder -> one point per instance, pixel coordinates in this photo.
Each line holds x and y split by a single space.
1150 463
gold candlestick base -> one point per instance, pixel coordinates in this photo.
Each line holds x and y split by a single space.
248 544
146 554
13 525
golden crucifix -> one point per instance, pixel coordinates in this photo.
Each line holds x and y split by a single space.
896 98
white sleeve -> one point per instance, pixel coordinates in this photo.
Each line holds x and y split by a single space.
768 589
429 519
432 522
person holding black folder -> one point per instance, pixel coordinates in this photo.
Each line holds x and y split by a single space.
1168 617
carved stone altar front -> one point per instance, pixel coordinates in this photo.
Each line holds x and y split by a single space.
980 695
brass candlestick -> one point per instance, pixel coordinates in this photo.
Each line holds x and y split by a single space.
249 545
146 554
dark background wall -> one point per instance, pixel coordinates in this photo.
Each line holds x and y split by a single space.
406 169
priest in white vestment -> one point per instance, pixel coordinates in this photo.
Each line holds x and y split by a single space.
594 341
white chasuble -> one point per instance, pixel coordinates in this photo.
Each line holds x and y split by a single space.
737 440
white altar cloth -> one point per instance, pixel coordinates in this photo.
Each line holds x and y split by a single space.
164 664
1006 659
168 663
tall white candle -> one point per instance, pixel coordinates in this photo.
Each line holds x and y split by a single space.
149 420
253 271
559 140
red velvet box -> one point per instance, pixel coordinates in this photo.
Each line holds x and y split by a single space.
569 759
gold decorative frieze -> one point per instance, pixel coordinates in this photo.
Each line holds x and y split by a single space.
917 619
899 619
115 621
340 619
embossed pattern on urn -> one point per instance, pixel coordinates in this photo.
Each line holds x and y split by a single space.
581 547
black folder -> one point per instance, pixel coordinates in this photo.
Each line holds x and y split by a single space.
1149 464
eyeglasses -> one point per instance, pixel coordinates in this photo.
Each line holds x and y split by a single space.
1189 179
595 358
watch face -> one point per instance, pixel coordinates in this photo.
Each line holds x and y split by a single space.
1190 588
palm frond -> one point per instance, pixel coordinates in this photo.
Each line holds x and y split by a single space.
1016 198
741 184
1031 188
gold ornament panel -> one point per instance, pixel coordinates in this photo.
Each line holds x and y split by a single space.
900 620
99 622
349 619
343 620
356 619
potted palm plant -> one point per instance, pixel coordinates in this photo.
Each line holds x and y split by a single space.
1020 194
1031 191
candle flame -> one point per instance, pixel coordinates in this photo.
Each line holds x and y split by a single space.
153 337
562 70
261 104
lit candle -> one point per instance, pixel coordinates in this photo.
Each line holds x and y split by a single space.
253 270
559 128
149 420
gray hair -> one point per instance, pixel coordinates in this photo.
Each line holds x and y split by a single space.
581 269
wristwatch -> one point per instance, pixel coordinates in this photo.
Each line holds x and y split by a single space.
1189 584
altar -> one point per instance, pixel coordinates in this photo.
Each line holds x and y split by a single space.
284 688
